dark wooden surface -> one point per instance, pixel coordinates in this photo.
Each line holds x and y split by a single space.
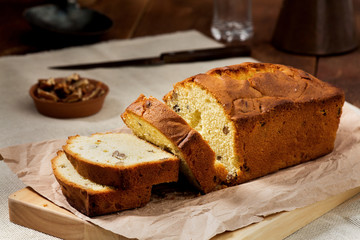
137 18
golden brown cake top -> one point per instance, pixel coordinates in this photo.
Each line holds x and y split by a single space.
251 88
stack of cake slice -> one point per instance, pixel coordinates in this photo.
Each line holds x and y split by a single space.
110 172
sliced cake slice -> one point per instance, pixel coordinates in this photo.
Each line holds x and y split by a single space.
121 160
259 117
93 199
155 122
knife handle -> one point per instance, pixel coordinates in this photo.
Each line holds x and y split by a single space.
205 54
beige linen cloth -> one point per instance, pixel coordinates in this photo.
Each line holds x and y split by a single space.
27 144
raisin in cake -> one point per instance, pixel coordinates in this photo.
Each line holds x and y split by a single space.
121 160
155 122
258 117
93 199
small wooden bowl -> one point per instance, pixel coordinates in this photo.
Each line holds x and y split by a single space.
69 110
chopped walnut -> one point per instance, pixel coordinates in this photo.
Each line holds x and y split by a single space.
81 83
46 84
74 96
176 108
148 104
92 94
62 89
226 130
174 96
119 155
74 76
70 89
47 95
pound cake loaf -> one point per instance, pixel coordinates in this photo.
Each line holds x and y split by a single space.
258 117
121 160
152 120
93 199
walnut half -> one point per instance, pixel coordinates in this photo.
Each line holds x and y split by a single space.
119 155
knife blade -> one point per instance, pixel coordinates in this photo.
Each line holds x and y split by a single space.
166 58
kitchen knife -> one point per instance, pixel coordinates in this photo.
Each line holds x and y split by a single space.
165 58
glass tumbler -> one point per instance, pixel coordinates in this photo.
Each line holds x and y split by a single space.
232 21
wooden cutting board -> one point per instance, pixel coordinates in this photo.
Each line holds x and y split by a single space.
29 209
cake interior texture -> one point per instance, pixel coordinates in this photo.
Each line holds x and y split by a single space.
152 120
203 113
116 149
121 160
145 130
259 118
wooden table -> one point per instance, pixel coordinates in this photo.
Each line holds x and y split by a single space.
136 18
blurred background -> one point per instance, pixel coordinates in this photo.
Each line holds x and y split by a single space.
137 18
132 18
